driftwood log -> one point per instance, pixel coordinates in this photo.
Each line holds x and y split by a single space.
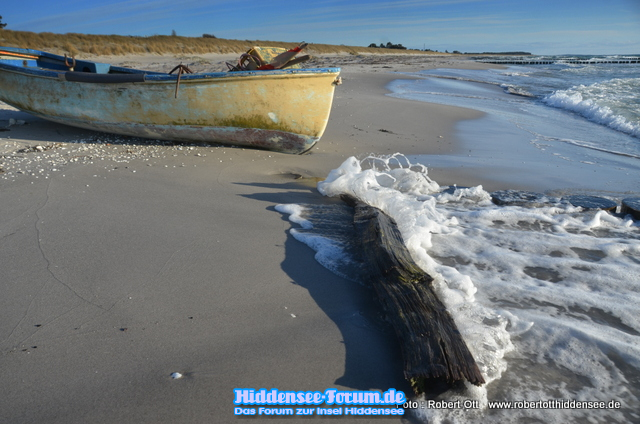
432 347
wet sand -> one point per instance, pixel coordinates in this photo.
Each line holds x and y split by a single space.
123 261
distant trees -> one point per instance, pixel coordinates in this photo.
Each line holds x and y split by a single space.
389 45
1 24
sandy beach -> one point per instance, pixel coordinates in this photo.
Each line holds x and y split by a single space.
124 261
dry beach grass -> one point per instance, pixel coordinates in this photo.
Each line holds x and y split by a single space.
76 44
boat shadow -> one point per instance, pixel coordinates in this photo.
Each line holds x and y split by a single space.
19 125
372 356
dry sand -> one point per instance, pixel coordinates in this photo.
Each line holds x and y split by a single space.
123 261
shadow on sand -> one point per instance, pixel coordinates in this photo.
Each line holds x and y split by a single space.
373 360
21 125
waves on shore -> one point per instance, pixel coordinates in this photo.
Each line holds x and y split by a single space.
545 293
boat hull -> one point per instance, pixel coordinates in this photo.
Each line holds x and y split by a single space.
283 110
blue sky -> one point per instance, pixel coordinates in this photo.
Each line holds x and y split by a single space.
538 26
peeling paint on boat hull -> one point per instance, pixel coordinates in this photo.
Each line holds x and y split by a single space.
279 141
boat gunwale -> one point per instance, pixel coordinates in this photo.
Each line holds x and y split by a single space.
161 77
149 76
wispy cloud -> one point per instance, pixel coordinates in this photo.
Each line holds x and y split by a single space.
123 13
460 24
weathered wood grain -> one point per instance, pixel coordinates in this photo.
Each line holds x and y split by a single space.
432 347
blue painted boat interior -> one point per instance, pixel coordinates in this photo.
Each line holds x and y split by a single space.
48 64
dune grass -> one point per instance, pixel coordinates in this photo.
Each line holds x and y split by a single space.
119 45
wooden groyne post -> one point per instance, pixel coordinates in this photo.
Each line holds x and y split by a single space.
515 61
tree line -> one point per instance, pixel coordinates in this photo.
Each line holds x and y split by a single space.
389 45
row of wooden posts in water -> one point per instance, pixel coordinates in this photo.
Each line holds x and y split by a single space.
624 61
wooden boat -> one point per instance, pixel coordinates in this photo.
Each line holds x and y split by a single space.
284 110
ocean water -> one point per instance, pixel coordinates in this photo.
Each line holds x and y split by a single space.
559 126
545 293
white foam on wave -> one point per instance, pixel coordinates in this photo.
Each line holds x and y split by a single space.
406 193
331 252
545 297
295 214
605 103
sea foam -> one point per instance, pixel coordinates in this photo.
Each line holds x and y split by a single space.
605 103
546 297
